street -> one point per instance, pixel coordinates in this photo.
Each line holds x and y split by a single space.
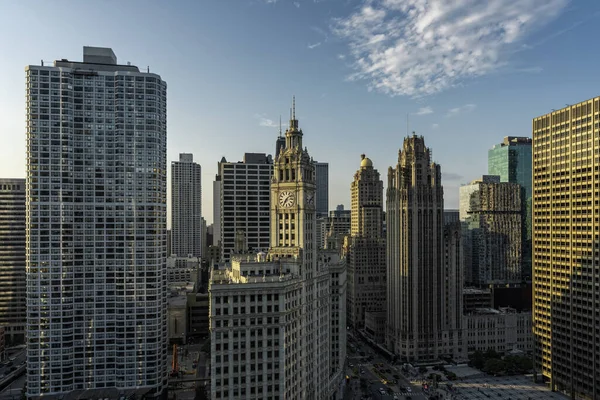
367 365
15 358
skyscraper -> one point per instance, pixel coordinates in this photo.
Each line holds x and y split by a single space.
280 143
511 160
492 216
96 220
271 315
244 202
417 327
13 301
322 195
186 207
566 273
365 246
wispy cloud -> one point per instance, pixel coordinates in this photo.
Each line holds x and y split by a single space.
267 122
421 47
435 126
297 4
424 111
451 176
460 110
312 46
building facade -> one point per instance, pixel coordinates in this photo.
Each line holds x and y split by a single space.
417 326
504 330
322 190
186 207
493 217
334 227
511 160
336 265
96 219
244 202
565 248
13 297
365 246
270 313
183 269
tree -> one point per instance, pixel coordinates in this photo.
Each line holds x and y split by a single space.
477 359
491 353
494 366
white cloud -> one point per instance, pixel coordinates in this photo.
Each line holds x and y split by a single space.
460 110
297 4
424 111
421 47
267 122
435 126
312 46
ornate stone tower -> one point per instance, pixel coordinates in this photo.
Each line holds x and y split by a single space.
293 237
293 219
415 254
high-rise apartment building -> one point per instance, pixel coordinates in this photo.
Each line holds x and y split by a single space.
13 302
451 216
566 236
186 207
333 227
365 247
244 202
417 272
280 142
96 221
322 196
511 160
492 220
217 208
270 314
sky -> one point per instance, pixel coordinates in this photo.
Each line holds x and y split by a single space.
365 73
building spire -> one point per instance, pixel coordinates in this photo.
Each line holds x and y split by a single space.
279 125
293 121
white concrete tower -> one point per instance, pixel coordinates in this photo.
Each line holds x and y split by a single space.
96 229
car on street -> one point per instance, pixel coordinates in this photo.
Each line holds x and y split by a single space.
408 389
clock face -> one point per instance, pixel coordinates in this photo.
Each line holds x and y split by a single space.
286 199
310 199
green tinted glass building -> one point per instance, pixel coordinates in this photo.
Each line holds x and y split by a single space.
511 160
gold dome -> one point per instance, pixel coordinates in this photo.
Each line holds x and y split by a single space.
366 162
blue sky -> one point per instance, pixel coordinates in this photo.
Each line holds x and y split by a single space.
469 72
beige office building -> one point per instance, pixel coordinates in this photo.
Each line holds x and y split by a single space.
566 236
276 328
365 247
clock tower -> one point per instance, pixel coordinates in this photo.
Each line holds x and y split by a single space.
293 217
293 242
